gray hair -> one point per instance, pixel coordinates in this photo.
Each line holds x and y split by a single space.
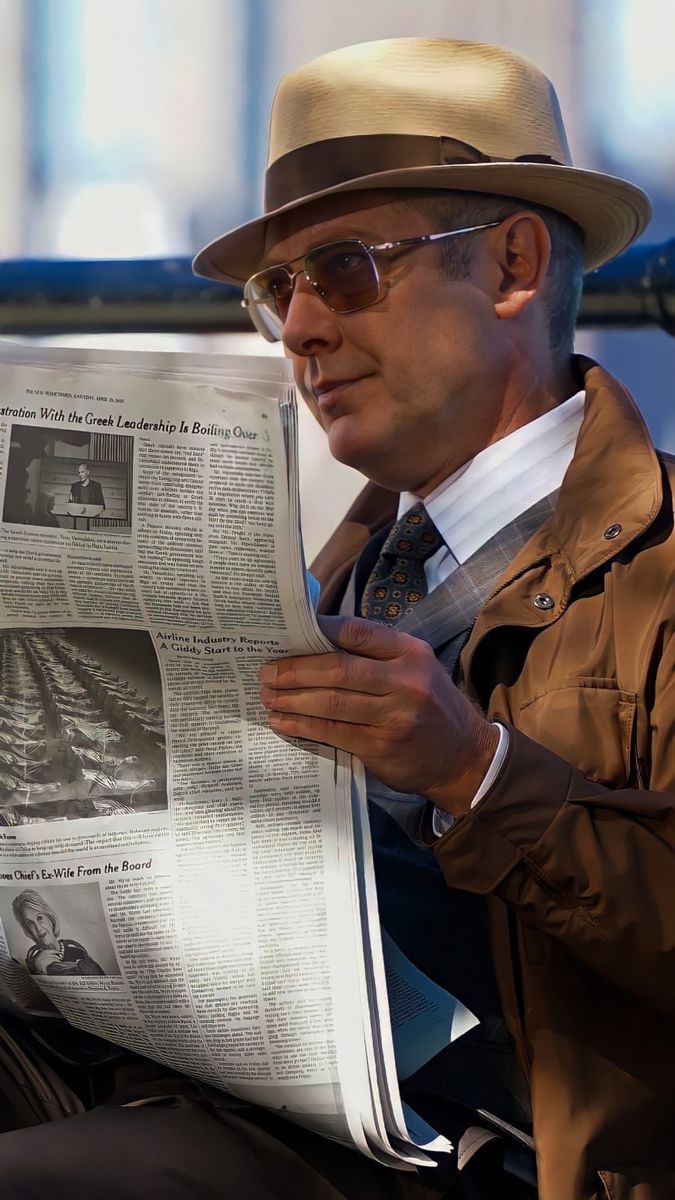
564 280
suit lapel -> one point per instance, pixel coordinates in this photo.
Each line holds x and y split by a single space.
454 604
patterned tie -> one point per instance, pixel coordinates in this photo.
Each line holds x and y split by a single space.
397 582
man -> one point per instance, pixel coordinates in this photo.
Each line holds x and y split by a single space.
534 536
86 490
457 389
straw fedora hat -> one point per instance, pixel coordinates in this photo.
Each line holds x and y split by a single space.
417 113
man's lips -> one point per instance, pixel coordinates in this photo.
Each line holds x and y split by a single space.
328 392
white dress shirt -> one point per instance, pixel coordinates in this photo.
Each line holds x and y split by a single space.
497 486
484 496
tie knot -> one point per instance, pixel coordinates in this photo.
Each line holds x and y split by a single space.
414 537
397 582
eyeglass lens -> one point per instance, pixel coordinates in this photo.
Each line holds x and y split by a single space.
343 274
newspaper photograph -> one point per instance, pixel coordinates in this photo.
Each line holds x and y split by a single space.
81 725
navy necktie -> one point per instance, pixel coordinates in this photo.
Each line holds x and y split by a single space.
398 582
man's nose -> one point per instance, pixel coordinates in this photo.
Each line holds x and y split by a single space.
310 325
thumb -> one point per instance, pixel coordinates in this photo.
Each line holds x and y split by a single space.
362 637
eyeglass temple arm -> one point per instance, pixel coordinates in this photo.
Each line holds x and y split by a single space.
433 237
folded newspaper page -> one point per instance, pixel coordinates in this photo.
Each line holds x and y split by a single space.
174 877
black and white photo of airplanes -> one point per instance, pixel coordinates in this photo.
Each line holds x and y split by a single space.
76 738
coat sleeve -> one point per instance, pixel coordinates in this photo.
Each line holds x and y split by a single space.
590 866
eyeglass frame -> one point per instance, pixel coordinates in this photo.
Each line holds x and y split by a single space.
253 304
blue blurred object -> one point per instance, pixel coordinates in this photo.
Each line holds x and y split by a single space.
51 296
41 297
637 289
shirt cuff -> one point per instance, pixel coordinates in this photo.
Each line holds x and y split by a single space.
442 821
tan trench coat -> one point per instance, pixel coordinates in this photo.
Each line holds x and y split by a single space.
575 844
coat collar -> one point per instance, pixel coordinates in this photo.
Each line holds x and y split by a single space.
613 479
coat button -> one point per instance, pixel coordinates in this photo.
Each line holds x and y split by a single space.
612 531
544 601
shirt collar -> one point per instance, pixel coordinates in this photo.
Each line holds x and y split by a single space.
503 480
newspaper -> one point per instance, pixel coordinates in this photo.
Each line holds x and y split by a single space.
174 877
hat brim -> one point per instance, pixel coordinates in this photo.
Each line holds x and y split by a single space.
611 212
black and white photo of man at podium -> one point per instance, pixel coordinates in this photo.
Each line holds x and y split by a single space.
69 479
85 490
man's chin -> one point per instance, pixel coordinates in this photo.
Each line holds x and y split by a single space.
349 446
365 456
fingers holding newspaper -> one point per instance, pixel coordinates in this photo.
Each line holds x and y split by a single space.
384 697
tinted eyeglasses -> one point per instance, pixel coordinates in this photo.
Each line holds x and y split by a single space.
346 275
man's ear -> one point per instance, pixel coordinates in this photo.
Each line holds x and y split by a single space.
521 248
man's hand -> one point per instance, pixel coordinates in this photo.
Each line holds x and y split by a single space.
389 702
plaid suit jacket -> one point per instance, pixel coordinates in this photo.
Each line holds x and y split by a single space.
444 619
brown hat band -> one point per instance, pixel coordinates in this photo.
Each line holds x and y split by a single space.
312 169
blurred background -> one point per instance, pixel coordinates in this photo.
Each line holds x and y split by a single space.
137 128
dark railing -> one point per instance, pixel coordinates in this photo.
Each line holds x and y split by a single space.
52 296
637 289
